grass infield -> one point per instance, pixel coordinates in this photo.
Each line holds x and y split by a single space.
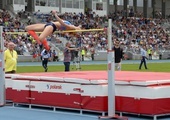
152 67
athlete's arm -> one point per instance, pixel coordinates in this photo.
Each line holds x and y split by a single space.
61 21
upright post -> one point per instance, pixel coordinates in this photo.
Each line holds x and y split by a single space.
60 6
111 78
2 70
111 69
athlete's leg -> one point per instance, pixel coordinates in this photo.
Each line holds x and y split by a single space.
34 35
48 30
35 27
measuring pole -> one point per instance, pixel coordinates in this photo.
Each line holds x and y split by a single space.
2 69
111 71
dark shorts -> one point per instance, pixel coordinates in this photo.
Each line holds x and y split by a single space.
10 72
51 24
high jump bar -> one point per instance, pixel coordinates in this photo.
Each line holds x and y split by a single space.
67 31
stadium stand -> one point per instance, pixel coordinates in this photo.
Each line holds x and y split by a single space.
132 31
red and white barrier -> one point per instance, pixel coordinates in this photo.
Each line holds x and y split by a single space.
90 94
8 85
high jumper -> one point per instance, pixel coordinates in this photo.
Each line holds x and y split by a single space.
48 29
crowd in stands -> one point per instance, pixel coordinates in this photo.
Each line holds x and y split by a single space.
132 31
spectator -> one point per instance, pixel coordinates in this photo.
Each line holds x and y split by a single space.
143 58
150 53
45 57
118 55
67 56
92 52
10 57
83 52
55 56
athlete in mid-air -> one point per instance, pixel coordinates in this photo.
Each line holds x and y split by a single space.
48 29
